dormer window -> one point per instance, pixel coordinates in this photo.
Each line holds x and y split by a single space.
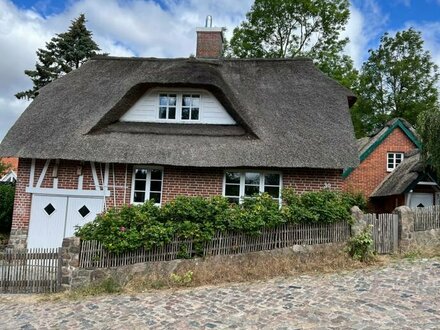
393 160
179 106
168 105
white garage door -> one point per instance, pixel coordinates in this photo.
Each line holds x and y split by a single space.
55 217
421 200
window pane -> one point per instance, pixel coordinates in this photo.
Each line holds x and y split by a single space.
156 174
251 190
141 173
272 179
186 100
156 186
195 114
139 197
252 178
273 191
232 190
232 177
140 185
185 113
155 197
398 156
172 99
195 101
162 113
172 113
163 99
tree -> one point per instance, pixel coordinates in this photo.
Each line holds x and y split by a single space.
286 28
429 130
3 167
64 53
398 80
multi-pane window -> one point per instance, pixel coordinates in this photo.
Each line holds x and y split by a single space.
394 159
167 106
179 107
239 185
190 107
147 184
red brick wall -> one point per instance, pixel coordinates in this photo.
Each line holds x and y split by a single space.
22 201
371 172
209 44
176 181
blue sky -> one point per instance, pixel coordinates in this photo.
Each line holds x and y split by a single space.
166 28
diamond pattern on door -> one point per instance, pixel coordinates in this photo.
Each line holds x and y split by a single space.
49 209
84 211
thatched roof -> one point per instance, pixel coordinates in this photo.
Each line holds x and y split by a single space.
289 114
402 177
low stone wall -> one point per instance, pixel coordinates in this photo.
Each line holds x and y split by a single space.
18 239
408 236
74 277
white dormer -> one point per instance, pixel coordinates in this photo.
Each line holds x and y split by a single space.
182 105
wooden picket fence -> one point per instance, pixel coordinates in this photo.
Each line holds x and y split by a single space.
30 271
385 230
93 254
426 218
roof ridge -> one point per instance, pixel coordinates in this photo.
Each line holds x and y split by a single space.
196 59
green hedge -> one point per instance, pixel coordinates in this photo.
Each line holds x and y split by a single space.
7 192
134 226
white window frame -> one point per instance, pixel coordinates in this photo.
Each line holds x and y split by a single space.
262 174
179 98
394 164
147 184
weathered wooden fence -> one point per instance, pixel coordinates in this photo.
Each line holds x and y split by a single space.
426 218
30 271
385 231
93 253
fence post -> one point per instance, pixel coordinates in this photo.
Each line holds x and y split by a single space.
70 261
406 226
359 221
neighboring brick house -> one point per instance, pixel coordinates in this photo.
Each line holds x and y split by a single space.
391 172
126 130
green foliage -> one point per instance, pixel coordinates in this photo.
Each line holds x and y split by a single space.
3 167
182 280
360 246
285 28
198 218
256 213
429 130
398 80
324 206
7 192
64 52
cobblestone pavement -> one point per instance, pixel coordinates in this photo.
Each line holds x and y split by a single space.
405 295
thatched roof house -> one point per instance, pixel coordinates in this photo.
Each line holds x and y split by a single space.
126 130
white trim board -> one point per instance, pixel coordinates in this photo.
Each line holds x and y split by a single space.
67 192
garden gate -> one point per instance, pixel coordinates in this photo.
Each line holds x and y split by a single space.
385 230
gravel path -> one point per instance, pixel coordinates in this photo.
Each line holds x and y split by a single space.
405 295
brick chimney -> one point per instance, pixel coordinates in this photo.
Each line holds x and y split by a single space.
209 40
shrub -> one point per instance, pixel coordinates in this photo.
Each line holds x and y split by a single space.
256 213
128 228
323 206
360 246
7 192
197 218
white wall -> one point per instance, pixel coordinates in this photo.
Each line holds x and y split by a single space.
146 109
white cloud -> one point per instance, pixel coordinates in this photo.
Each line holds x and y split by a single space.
365 25
121 28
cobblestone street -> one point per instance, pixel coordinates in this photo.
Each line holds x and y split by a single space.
404 295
